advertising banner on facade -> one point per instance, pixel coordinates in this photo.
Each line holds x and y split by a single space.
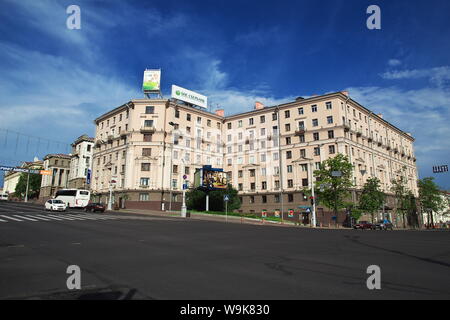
152 80
189 96
23 170
209 178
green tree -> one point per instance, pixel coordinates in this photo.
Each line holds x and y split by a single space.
372 198
402 197
33 187
430 198
331 190
196 199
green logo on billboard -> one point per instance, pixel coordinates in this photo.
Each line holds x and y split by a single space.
178 92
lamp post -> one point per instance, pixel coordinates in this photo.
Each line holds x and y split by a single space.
310 178
183 206
171 166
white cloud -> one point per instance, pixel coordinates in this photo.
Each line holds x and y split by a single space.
394 62
437 76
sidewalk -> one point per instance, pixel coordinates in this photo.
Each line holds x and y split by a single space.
219 218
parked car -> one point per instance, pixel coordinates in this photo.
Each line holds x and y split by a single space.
92 207
383 225
363 225
55 205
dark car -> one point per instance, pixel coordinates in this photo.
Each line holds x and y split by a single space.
92 207
363 225
383 225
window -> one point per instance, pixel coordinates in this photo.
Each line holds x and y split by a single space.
143 197
302 138
289 168
145 166
304 182
288 154
264 199
275 156
304 167
301 125
175 169
188 116
330 119
252 188
315 122
252 199
300 111
252 172
148 123
330 134
303 153
149 109
147 137
199 120
314 108
240 174
287 126
316 136
287 114
208 123
263 131
250 121
229 125
264 185
263 157
331 150
329 106
240 124
240 188
277 197
274 116
290 195
177 113
262 119
146 152
317 151
288 140
144 181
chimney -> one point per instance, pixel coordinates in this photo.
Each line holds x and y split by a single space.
258 105
220 112
345 93
380 115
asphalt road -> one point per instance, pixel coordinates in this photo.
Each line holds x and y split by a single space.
135 257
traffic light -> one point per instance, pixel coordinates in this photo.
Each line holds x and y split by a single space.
305 197
312 200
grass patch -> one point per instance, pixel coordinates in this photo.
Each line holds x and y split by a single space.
235 214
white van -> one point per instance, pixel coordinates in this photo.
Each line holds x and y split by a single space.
74 198
4 196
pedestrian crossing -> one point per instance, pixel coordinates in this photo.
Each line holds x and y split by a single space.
62 217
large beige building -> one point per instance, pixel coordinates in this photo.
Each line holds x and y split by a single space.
146 146
59 165
81 162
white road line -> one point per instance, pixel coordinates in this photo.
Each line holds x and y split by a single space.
40 218
1 220
61 217
47 217
8 217
77 217
22 217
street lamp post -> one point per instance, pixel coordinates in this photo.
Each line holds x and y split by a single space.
171 166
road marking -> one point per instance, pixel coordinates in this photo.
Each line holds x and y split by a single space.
61 217
1 220
48 217
21 217
40 218
8 217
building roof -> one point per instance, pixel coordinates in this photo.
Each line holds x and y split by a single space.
82 138
57 155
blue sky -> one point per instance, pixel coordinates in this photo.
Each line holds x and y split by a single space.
55 81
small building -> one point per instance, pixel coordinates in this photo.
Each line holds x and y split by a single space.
11 178
59 165
80 162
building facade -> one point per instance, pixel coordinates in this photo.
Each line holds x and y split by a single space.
146 146
81 162
59 165
11 179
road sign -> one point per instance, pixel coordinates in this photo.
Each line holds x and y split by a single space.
291 214
226 198
264 214
185 186
336 173
185 177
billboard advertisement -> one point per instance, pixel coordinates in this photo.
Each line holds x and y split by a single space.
189 96
152 80
209 178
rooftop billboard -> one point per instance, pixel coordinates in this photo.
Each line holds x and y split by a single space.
189 96
152 80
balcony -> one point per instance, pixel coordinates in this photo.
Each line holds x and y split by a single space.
395 150
380 143
300 131
388 148
359 133
346 127
148 129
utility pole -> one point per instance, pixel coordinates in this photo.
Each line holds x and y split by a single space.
313 220
28 183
